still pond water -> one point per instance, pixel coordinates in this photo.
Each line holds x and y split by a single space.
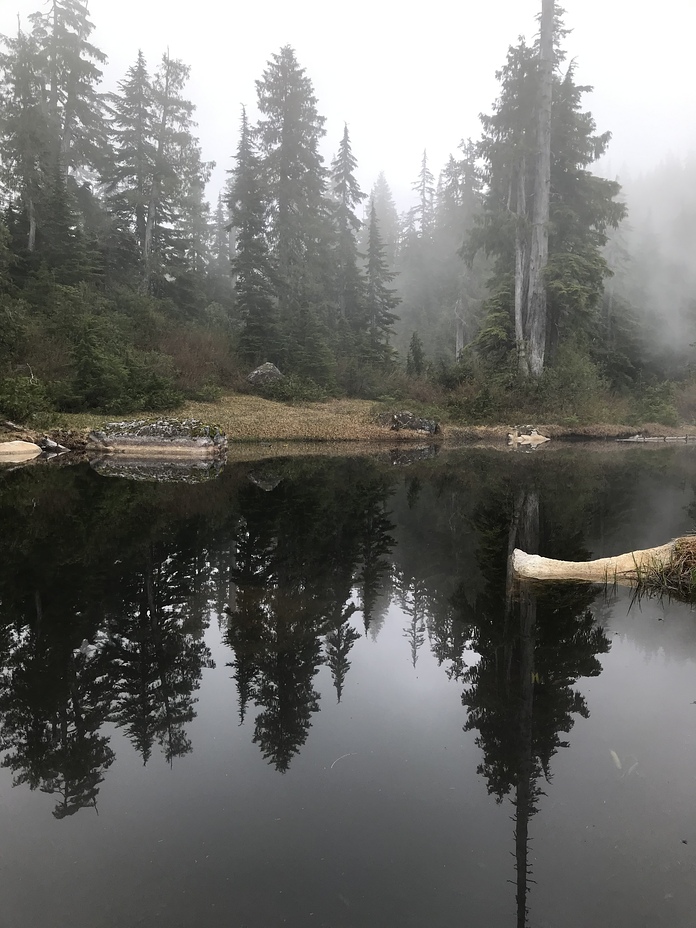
310 697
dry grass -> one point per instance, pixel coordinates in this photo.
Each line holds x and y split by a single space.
677 577
247 418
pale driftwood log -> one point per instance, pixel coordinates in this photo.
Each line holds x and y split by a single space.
534 438
15 452
625 568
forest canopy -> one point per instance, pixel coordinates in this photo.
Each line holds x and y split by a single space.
122 287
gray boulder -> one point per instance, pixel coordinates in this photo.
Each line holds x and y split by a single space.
157 471
163 437
265 480
266 373
406 420
50 446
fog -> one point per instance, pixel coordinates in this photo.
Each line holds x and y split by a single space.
405 79
620 315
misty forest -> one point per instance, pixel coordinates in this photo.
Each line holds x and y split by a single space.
519 279
263 671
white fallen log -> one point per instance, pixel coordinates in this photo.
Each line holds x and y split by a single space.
534 438
633 567
15 452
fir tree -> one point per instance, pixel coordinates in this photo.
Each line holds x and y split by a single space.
70 65
347 195
251 265
25 138
387 218
381 300
582 208
129 179
415 360
424 211
177 165
298 229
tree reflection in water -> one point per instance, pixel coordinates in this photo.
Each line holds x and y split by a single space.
53 705
533 649
137 590
296 559
301 551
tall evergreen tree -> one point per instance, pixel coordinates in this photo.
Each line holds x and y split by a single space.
251 266
381 300
347 195
70 65
25 133
177 164
387 219
289 132
533 321
132 125
576 268
424 211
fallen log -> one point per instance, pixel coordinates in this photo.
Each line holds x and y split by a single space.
16 452
669 568
662 438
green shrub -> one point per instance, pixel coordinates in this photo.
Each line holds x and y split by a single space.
293 389
657 404
574 387
151 382
23 398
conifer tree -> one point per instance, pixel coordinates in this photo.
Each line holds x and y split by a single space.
24 129
251 266
220 268
177 164
61 242
387 219
381 300
347 195
424 211
70 66
132 126
298 229
582 208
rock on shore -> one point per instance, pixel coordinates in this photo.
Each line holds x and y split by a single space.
163 438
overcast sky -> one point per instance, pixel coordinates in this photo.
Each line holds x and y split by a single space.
407 77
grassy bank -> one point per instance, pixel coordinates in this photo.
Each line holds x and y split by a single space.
246 418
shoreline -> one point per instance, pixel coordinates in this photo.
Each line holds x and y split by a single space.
249 421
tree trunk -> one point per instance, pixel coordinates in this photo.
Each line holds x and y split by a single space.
521 269
31 244
458 329
625 568
539 250
153 204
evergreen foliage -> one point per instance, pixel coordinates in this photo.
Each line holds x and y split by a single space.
298 209
254 280
347 196
120 287
583 206
380 299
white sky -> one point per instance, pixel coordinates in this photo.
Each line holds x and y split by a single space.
408 76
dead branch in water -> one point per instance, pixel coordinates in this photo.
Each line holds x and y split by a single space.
668 569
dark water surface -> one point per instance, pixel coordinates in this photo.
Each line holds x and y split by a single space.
312 697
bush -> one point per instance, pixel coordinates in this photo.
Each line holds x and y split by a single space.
685 402
23 398
151 383
574 387
293 389
657 404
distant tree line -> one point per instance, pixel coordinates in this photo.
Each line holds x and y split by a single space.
121 288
